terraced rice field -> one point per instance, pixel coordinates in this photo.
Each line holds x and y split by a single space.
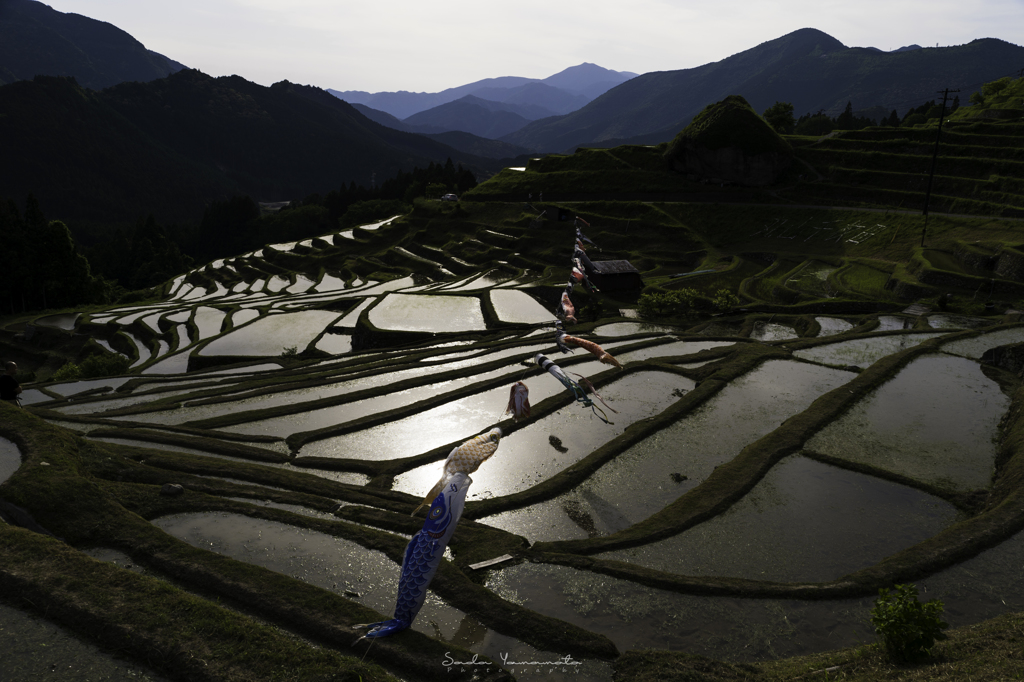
747 466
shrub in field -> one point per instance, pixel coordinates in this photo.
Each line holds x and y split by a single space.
908 629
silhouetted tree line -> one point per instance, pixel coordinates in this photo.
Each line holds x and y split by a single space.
780 117
40 266
421 182
237 225
140 257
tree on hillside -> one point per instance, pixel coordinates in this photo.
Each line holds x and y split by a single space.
780 117
40 266
818 124
845 120
63 274
225 227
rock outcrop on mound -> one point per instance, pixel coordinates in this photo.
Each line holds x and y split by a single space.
728 141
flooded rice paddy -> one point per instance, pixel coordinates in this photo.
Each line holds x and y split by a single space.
410 312
824 522
935 422
10 459
862 352
388 374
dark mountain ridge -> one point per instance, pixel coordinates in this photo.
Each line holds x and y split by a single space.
808 68
172 145
38 40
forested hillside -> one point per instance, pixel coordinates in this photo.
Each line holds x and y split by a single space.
171 146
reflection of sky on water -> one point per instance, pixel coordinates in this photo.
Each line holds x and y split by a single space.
832 325
863 352
824 522
457 419
336 344
10 459
526 457
627 328
772 331
638 482
271 334
976 347
189 413
893 322
935 421
208 321
413 312
512 305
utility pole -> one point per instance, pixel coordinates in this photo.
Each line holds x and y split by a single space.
935 154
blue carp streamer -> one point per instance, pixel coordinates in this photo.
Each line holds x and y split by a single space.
424 554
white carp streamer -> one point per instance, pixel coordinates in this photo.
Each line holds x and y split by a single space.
465 459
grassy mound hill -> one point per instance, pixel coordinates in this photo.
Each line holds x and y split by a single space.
729 140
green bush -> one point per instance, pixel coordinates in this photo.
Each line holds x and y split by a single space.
725 300
69 372
104 365
908 629
93 366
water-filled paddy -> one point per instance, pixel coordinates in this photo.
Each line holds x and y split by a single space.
772 331
331 416
526 457
208 321
143 350
174 364
512 305
824 522
934 421
976 347
335 344
636 616
627 328
940 321
639 481
65 321
832 325
332 563
454 420
10 459
275 399
416 312
863 352
803 508
74 387
272 334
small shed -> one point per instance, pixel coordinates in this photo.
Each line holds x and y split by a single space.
616 275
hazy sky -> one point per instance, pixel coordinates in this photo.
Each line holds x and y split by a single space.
429 46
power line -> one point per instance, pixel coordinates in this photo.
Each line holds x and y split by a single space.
935 154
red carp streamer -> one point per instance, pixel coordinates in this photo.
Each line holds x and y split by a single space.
518 401
602 355
566 309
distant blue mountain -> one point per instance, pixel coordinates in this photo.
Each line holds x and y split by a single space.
472 115
579 84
